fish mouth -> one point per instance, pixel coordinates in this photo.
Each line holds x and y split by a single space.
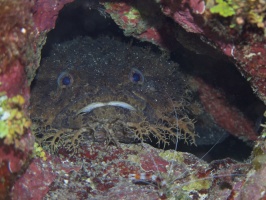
90 107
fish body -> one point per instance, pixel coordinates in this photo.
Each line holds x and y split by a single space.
110 89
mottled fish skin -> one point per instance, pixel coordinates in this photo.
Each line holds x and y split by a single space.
105 70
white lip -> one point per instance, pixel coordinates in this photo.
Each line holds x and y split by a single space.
92 106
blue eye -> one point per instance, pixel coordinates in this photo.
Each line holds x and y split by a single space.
136 76
65 80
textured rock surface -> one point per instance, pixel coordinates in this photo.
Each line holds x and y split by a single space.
101 172
16 44
46 12
20 46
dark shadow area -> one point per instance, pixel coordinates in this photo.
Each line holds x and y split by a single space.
87 18
81 18
231 147
223 75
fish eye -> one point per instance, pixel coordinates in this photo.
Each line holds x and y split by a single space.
65 80
136 76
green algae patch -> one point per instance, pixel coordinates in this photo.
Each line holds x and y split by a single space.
134 158
13 121
127 17
170 155
133 14
239 13
263 134
259 161
197 184
224 8
39 152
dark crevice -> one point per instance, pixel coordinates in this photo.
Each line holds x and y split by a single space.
81 18
223 75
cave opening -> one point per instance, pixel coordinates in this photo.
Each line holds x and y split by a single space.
88 19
